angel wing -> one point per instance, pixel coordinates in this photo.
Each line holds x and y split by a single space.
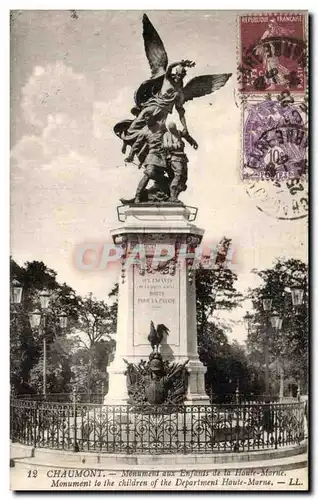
203 85
155 51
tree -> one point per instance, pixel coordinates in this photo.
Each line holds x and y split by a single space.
228 367
290 344
58 367
215 290
80 353
26 346
96 325
215 287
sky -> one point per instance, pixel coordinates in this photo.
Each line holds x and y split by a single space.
72 79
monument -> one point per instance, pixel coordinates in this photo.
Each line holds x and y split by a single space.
156 351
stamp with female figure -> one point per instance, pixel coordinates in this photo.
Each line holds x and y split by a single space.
272 52
274 139
275 155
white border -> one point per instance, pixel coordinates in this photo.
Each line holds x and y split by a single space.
269 5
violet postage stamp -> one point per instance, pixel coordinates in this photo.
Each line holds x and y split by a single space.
275 139
159 302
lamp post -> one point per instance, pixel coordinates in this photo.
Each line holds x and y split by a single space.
63 320
297 295
37 320
15 300
276 322
15 297
248 320
16 292
267 306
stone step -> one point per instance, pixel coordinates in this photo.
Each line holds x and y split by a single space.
55 461
48 456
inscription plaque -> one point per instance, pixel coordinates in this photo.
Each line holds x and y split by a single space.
156 297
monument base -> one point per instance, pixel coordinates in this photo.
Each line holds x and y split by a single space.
117 394
157 288
196 394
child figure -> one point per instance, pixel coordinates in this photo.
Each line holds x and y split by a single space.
155 161
177 160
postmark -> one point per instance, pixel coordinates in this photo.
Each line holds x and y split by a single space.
274 139
284 200
272 52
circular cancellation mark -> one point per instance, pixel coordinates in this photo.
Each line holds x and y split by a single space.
284 200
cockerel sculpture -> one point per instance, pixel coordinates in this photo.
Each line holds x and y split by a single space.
156 335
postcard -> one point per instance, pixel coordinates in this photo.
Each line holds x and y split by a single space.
159 250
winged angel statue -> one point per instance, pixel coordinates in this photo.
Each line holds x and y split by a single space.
160 149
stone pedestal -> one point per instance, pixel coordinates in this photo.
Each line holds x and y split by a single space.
162 292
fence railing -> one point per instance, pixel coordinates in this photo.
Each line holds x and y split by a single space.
98 398
65 397
156 429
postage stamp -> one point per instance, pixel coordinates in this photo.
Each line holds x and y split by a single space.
272 52
274 138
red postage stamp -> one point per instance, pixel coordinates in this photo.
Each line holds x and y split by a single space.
272 52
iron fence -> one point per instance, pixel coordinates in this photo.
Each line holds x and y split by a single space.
65 397
98 398
156 429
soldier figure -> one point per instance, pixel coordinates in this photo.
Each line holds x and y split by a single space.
155 161
177 160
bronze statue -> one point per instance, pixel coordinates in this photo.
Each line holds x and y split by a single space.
157 382
156 335
166 163
155 164
155 99
177 160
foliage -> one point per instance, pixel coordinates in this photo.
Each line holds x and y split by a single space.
94 322
89 367
25 344
290 344
228 366
78 355
94 332
58 368
215 290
